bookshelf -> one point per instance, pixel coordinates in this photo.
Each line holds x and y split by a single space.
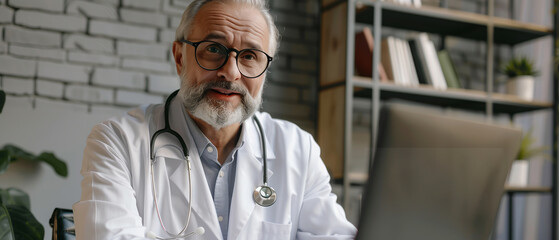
338 86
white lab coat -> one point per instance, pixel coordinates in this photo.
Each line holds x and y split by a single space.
117 200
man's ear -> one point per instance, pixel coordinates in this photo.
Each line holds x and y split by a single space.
177 55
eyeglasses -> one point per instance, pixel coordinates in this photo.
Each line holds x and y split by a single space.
212 56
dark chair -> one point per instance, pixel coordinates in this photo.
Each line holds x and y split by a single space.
62 223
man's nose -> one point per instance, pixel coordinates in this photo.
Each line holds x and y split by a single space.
230 71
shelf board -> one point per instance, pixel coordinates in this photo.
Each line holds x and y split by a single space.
511 189
451 22
453 98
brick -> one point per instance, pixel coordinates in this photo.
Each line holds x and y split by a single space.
17 67
47 5
145 50
6 14
108 2
40 53
92 10
112 77
181 3
294 19
50 88
88 43
281 93
175 22
304 65
143 4
298 111
51 21
167 36
299 79
3 46
164 84
170 9
92 58
63 71
146 65
122 31
18 85
312 35
298 49
14 34
60 106
143 17
88 94
283 4
133 98
289 32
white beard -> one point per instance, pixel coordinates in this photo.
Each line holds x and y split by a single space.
217 114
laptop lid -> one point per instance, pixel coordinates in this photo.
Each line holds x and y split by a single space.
435 176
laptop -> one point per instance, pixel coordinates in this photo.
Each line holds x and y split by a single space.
435 177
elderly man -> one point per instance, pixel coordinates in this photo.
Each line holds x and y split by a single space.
206 165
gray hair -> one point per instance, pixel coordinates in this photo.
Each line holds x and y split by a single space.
188 18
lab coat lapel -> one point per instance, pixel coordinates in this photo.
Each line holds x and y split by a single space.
202 201
248 177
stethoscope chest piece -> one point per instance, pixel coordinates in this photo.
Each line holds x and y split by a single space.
264 196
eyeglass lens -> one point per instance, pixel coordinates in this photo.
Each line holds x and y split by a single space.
212 56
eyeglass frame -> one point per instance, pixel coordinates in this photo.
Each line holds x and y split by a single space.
229 50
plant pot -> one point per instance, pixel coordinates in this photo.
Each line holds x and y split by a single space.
518 176
522 87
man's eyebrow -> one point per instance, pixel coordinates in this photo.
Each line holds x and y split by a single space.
217 36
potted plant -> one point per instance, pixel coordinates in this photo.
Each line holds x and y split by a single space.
16 219
521 75
519 172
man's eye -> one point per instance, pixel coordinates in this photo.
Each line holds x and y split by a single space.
213 49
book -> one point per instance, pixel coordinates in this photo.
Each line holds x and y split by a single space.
388 59
433 71
364 46
448 69
417 62
412 73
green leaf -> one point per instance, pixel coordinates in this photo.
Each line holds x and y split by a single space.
26 226
6 230
4 160
2 100
16 153
58 165
14 196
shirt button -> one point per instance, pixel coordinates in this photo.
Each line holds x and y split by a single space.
221 173
220 218
210 149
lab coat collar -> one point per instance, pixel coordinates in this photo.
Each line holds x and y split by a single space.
248 177
202 204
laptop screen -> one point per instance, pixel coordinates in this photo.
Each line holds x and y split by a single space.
435 176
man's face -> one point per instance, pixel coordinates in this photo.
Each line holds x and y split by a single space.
225 91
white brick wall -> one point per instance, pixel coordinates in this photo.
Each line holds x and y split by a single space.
146 65
88 94
143 4
145 50
92 10
167 36
88 44
92 58
50 88
114 77
133 98
21 35
63 72
17 66
18 85
3 46
40 53
47 5
143 17
164 84
122 31
50 21
6 14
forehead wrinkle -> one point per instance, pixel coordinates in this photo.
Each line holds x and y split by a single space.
226 20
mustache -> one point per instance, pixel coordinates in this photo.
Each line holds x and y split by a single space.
207 86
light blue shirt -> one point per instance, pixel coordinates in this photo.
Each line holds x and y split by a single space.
220 178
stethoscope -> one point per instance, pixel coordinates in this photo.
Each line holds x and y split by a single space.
263 195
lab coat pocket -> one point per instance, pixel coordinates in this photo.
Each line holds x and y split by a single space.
276 231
